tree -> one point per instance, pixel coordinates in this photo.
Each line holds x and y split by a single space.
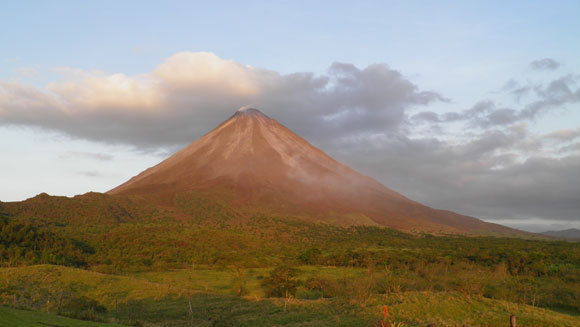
281 282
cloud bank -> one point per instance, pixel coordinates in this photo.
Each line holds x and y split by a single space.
484 160
190 92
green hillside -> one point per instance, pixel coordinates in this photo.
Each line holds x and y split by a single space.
23 318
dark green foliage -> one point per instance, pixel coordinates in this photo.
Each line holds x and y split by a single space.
282 282
27 244
310 256
322 286
89 208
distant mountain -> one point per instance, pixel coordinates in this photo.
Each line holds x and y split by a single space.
257 165
572 233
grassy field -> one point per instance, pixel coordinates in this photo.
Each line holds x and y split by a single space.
223 281
416 308
206 297
22 318
103 288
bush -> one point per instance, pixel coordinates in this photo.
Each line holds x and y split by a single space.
306 294
326 287
281 282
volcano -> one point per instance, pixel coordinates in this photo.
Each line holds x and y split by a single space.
260 166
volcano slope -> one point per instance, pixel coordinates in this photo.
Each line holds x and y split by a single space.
259 166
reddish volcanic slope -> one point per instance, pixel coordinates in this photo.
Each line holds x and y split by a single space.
262 166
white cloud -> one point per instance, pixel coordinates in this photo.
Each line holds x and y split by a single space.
204 71
111 92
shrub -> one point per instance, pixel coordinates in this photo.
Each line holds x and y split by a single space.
281 282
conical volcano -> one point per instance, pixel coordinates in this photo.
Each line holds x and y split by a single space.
259 165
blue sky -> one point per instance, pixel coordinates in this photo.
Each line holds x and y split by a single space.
466 52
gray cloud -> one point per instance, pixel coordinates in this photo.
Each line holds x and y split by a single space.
86 155
563 134
510 85
545 64
89 173
493 167
514 88
484 114
521 92
573 148
485 177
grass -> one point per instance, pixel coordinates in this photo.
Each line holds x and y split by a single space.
104 288
162 299
448 309
416 308
21 318
164 304
222 281
228 310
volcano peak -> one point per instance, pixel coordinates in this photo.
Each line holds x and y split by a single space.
249 111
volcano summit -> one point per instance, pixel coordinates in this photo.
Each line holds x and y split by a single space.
261 166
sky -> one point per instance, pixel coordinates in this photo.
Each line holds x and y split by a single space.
467 106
